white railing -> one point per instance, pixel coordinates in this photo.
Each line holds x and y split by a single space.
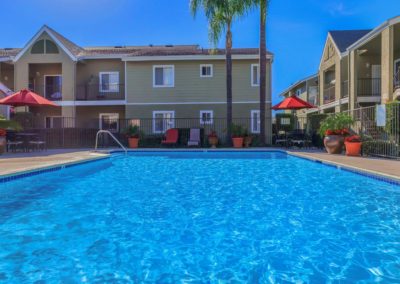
112 136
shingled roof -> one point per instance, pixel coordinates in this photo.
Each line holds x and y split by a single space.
344 38
130 51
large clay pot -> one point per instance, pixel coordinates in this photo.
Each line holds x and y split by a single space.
213 141
353 148
237 142
133 142
3 144
334 144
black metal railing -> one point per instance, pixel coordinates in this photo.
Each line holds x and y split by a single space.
369 87
50 92
93 92
329 94
396 80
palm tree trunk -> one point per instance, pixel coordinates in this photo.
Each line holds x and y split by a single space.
228 48
263 69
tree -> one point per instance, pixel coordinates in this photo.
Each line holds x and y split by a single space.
220 15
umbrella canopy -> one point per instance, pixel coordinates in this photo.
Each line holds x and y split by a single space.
292 102
26 98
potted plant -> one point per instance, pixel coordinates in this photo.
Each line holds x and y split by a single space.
4 125
237 135
247 138
353 145
213 139
133 133
334 128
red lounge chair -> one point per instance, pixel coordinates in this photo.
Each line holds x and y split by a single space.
171 137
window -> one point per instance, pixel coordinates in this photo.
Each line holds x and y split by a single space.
206 70
163 120
255 121
51 47
285 120
38 47
54 122
255 75
109 82
206 117
163 76
109 121
53 87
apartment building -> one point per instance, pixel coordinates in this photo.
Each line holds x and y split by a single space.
104 84
358 68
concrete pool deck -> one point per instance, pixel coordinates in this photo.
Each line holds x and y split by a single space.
13 163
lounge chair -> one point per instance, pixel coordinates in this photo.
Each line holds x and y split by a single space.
171 137
282 139
194 139
299 138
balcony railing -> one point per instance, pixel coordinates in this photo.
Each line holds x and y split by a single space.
329 94
396 80
369 87
93 92
50 92
345 89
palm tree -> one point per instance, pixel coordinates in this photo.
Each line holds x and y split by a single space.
220 15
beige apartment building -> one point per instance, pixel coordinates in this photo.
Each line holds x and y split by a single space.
358 68
161 83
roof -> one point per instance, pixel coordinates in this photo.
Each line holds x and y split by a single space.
77 52
345 38
298 83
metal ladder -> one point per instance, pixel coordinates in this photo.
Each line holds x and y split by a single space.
112 136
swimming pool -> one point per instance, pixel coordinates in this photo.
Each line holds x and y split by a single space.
199 217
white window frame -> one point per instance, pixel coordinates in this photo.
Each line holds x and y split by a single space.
252 75
211 121
163 112
101 90
108 114
44 83
154 76
258 121
51 121
211 70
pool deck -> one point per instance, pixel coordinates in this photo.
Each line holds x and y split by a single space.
12 163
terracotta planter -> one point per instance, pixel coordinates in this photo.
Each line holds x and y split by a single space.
133 142
334 144
213 141
3 144
247 141
237 142
353 148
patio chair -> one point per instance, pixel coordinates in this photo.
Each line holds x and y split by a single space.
171 137
13 143
281 139
194 139
37 144
299 138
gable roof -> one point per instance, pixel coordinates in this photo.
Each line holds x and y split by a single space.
345 38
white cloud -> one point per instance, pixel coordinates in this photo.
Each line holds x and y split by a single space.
338 8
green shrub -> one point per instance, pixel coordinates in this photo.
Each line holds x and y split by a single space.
335 122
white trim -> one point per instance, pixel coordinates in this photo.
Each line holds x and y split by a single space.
109 114
252 121
91 103
252 74
101 81
5 59
372 99
162 112
35 38
44 83
211 70
292 86
154 76
196 103
211 121
191 57
329 37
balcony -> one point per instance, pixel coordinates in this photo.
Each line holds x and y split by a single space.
50 92
329 94
396 81
95 92
369 87
345 89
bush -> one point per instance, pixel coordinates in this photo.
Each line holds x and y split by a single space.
335 123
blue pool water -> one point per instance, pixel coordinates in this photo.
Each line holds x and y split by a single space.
199 218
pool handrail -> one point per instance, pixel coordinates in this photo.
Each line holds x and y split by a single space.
112 136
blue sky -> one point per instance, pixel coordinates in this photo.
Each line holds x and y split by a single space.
296 29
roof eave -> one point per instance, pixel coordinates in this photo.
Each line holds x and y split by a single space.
192 57
292 86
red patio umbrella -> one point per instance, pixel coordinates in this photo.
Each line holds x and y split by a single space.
26 98
292 102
